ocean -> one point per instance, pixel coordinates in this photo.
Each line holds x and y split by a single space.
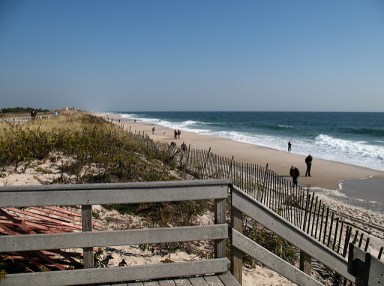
350 137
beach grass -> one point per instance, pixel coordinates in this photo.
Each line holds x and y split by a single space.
102 152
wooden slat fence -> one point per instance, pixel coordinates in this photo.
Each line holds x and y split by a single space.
297 205
23 119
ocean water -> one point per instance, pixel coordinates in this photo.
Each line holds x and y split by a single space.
353 138
349 137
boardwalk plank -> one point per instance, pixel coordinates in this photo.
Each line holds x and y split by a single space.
182 282
198 281
151 283
225 279
213 281
167 283
229 280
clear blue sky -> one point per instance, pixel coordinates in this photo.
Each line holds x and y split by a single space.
139 55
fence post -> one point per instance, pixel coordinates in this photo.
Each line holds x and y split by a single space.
220 245
206 161
86 214
236 254
305 262
366 269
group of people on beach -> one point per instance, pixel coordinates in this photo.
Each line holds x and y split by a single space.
173 145
177 134
294 171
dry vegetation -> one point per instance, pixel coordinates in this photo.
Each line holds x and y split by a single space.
101 151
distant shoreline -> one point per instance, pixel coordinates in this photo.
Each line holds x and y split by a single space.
325 174
353 140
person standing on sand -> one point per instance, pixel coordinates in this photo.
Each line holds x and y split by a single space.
308 161
289 146
184 147
153 130
294 173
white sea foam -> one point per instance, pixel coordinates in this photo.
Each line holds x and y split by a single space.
354 152
329 193
285 126
339 196
123 115
186 124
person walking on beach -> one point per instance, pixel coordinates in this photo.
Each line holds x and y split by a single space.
153 130
308 161
294 173
289 146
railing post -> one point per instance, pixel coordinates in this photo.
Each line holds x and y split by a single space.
236 254
305 263
220 245
86 214
366 269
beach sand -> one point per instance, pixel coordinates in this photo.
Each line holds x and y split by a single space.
325 174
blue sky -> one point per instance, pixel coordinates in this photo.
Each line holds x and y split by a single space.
138 55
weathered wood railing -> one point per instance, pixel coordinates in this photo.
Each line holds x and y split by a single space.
96 194
218 190
242 204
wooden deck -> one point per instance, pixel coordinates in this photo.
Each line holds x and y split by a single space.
212 280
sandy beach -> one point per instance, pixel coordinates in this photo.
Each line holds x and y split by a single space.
325 174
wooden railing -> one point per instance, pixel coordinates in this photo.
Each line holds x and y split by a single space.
96 194
242 204
132 193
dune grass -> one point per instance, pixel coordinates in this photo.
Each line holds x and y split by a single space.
102 152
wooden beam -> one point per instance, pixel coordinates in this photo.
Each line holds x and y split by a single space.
118 274
95 194
118 237
86 211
